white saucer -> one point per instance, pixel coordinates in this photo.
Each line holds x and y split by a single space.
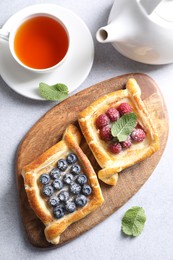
72 72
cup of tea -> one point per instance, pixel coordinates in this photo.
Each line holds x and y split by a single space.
39 42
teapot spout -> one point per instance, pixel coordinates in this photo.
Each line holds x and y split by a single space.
107 34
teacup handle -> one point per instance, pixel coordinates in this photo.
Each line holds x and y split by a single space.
4 35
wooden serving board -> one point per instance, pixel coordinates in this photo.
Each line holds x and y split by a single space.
49 129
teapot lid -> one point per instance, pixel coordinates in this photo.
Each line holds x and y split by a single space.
163 14
165 10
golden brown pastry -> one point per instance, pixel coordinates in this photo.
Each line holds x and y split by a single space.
61 185
96 123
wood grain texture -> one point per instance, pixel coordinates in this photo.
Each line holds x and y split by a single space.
49 129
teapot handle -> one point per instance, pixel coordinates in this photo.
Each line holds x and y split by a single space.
149 5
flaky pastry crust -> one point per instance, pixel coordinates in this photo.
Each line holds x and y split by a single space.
44 163
110 163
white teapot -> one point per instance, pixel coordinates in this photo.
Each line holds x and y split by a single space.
141 30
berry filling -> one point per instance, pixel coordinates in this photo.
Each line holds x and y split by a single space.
138 135
102 120
127 143
65 187
124 108
113 114
105 121
105 133
115 147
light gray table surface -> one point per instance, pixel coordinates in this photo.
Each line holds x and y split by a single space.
18 114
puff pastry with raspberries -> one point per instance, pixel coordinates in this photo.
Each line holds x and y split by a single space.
97 120
61 185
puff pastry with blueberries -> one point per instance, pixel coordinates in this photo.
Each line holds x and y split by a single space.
97 121
61 185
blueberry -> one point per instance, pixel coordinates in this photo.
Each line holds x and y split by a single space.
70 206
54 201
82 179
81 200
55 173
47 190
44 178
71 158
68 178
63 196
57 184
75 188
75 169
86 190
62 164
58 211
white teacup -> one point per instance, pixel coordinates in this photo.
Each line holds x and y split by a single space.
47 45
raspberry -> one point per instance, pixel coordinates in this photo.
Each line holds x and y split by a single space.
124 108
113 114
102 120
138 135
127 143
115 148
105 133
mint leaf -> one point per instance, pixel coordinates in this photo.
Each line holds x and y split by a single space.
54 92
133 221
124 126
61 87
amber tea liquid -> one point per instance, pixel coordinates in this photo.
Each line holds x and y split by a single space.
41 42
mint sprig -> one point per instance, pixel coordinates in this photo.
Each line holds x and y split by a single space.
54 92
124 126
133 221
